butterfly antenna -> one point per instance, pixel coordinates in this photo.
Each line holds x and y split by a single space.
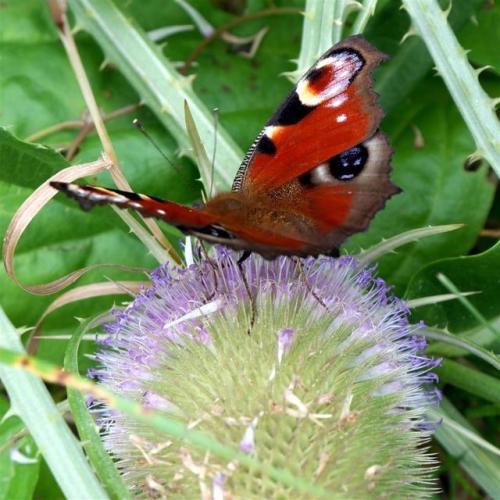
140 127
212 167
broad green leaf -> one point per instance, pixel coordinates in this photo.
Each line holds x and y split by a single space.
481 36
435 185
61 239
410 61
476 272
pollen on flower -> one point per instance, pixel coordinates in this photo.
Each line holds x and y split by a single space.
336 395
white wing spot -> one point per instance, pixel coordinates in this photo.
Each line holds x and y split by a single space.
337 101
341 118
271 130
324 62
321 175
118 199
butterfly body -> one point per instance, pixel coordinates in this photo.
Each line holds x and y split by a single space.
316 174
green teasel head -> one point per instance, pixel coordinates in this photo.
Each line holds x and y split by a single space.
328 380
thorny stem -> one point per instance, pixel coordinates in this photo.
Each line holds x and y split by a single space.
219 32
69 44
366 11
339 15
81 76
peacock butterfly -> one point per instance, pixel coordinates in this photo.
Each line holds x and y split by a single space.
317 173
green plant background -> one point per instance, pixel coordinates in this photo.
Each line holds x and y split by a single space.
38 89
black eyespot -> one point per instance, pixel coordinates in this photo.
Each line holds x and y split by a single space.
349 164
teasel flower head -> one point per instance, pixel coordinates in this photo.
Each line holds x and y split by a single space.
325 378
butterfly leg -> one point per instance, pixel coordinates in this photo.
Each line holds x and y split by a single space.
204 251
300 267
253 307
244 256
334 253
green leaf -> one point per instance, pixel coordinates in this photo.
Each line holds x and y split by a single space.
158 83
476 272
19 464
470 380
476 107
101 461
434 183
61 239
31 400
482 465
480 35
410 62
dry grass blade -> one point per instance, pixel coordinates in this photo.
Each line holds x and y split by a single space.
85 292
93 290
58 11
26 213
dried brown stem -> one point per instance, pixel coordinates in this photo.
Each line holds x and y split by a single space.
76 124
490 233
80 137
28 211
69 44
81 293
219 32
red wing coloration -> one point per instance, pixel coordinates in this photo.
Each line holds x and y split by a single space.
316 174
331 109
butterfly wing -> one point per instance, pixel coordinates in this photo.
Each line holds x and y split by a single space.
218 223
331 109
321 153
149 206
316 174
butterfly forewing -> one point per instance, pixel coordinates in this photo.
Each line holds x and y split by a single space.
331 109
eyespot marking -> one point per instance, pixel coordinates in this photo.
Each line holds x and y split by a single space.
317 176
349 164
